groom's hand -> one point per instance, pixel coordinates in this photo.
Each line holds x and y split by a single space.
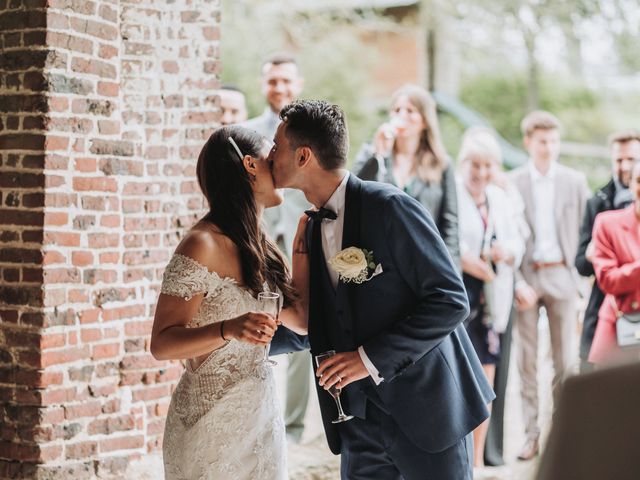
341 369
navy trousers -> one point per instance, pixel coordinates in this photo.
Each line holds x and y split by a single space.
376 449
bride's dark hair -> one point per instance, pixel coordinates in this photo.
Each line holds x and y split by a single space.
226 184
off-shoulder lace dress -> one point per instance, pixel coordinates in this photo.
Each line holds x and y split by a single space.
224 421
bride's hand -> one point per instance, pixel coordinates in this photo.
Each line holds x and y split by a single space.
256 328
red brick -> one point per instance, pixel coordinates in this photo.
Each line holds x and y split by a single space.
52 257
100 184
137 362
52 340
90 316
108 89
94 275
78 296
88 335
63 239
81 450
109 257
67 355
52 181
53 143
52 415
81 258
87 409
106 426
112 221
109 350
129 311
59 104
56 162
122 443
102 240
86 165
137 328
62 275
58 396
56 218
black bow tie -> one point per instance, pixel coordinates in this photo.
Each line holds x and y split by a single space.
322 213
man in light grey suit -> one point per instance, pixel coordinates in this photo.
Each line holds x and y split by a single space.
281 83
555 198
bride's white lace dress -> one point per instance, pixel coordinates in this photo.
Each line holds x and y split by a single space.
224 420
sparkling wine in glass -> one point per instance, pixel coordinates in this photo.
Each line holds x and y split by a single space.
334 391
269 304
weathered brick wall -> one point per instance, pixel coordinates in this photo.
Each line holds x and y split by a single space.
104 106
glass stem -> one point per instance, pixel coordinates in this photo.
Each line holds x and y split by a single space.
340 411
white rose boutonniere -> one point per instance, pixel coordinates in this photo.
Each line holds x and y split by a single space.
353 264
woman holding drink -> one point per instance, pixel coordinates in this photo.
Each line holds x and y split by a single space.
407 151
224 420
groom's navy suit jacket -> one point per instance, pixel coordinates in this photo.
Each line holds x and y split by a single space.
408 319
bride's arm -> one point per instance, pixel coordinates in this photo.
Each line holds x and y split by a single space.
172 339
296 317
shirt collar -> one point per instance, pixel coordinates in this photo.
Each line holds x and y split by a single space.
537 176
337 198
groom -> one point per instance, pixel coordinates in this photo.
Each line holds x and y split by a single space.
406 367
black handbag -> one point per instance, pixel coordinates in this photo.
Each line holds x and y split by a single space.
627 327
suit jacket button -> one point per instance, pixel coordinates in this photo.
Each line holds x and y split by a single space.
379 375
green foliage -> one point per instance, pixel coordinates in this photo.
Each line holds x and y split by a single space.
502 98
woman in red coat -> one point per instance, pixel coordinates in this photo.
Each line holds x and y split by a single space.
616 236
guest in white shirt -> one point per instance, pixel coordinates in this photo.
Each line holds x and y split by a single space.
554 198
490 246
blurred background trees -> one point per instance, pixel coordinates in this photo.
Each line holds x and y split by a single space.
499 58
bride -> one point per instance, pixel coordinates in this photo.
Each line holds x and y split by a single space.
224 420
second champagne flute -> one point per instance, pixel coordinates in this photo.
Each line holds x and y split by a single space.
269 304
334 391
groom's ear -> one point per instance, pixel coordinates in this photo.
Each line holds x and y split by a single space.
303 155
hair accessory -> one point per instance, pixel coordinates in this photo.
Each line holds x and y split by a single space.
235 147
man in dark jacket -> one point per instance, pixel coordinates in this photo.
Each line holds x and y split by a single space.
625 149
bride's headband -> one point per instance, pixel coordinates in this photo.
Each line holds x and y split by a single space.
235 147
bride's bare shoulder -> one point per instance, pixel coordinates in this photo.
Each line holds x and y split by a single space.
206 244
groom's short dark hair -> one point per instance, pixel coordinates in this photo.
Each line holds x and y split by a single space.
320 126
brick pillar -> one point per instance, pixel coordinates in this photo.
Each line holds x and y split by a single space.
104 106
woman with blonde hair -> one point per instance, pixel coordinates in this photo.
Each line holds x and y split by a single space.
407 151
490 248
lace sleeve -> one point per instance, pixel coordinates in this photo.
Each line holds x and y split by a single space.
185 277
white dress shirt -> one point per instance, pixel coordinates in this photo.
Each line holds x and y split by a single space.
332 243
546 248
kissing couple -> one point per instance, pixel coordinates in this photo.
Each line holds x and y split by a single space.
370 280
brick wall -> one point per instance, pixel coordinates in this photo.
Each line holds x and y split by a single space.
104 106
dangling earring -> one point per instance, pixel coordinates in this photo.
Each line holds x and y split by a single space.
252 177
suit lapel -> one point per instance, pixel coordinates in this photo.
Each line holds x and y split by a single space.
350 238
527 197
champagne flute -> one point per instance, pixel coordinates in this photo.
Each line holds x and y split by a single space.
269 304
333 391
